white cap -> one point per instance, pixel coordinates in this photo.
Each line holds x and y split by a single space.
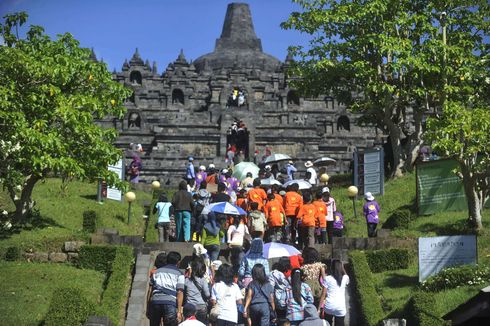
224 171
199 249
267 167
211 166
202 168
325 189
216 263
369 196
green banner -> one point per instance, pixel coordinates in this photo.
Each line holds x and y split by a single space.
438 188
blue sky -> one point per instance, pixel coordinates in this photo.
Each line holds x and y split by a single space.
159 28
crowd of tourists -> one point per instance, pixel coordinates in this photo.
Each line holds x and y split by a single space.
251 290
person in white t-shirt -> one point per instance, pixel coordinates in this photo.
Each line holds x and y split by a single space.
332 299
311 169
190 316
227 295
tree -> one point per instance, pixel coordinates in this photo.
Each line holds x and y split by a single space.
383 59
50 95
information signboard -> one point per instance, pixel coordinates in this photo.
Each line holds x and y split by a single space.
369 171
438 188
114 193
436 253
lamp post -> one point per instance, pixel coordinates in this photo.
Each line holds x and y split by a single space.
130 197
324 179
352 193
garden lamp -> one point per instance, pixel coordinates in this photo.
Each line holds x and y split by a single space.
130 197
352 193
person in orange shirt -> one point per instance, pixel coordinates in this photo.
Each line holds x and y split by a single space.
308 219
274 212
292 205
257 195
241 202
275 190
321 210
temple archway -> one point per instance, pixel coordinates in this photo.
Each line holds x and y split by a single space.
135 78
177 96
293 97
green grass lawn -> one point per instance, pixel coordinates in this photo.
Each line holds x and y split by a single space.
27 289
61 216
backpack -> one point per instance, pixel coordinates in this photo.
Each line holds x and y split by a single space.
257 221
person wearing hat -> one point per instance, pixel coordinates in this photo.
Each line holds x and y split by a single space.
212 176
191 170
201 176
371 213
290 169
189 314
309 168
331 208
247 181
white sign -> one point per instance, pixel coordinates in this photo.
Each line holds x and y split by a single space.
114 193
436 253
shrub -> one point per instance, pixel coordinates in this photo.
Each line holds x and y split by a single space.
388 259
97 257
340 180
115 295
369 301
90 221
421 310
68 307
399 219
12 253
453 277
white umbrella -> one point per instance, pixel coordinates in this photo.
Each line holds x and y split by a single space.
303 184
241 169
277 158
277 249
223 208
324 161
270 182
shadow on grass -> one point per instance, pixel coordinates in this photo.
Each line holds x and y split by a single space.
457 228
90 197
400 281
34 221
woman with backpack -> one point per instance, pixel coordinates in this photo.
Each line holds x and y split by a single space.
298 294
279 281
196 289
254 256
259 301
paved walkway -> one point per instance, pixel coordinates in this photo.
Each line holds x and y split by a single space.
137 299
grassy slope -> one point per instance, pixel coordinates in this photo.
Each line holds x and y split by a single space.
27 289
61 217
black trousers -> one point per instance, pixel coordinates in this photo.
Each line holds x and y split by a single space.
330 231
165 311
371 228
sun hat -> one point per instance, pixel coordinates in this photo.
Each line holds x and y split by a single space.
290 162
202 168
224 171
199 249
325 189
191 159
211 166
369 196
267 167
308 164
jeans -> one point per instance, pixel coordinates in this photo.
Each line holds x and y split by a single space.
339 321
276 233
202 314
260 314
183 224
330 231
290 229
221 322
213 252
165 311
371 227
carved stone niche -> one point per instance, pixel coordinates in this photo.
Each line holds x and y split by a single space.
259 95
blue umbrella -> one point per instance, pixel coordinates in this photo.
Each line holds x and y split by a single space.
224 208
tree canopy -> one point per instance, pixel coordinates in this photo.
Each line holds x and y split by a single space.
51 93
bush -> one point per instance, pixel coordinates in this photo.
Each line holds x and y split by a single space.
388 259
97 257
421 310
453 277
90 221
399 219
12 253
369 302
68 307
115 295
340 180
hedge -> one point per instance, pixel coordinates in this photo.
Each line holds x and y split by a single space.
369 302
115 296
421 310
452 277
399 219
388 259
97 257
68 307
90 221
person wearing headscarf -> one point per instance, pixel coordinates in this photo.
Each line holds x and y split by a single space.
312 318
254 256
211 235
134 169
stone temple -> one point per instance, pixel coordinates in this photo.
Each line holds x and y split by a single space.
188 110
